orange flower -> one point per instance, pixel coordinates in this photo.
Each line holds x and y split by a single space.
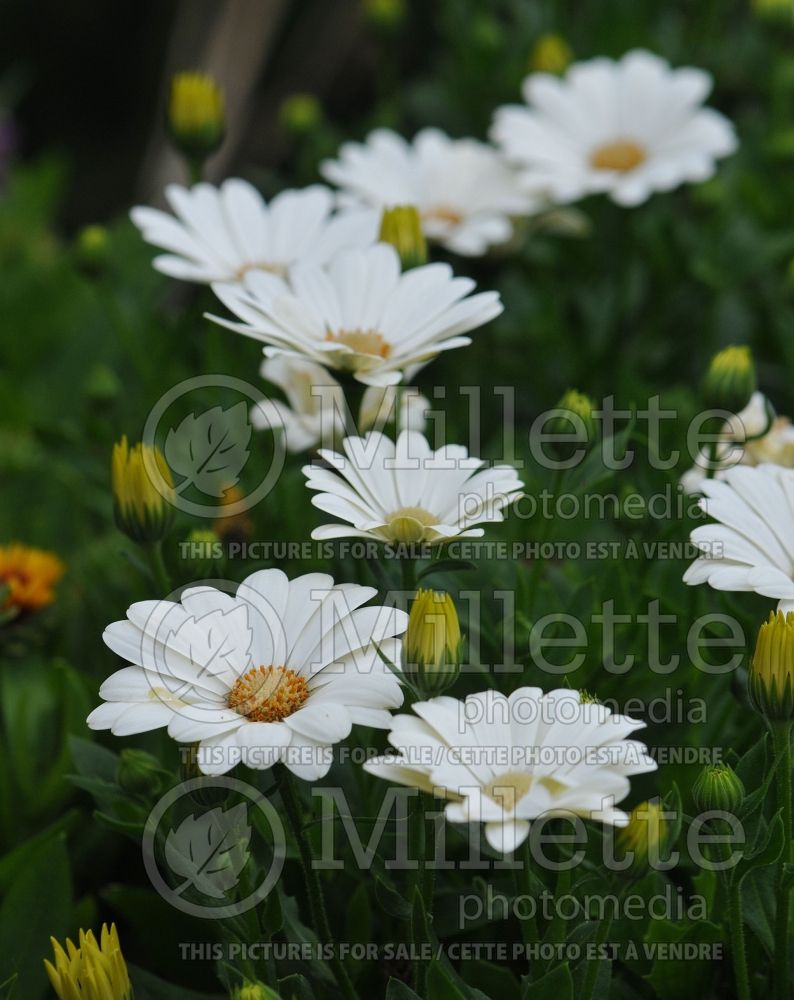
30 576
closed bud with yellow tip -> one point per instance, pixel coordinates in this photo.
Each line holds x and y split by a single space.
142 492
402 227
94 970
196 120
432 645
644 839
730 380
550 54
254 991
771 675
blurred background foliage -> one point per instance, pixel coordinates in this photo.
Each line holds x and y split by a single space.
630 304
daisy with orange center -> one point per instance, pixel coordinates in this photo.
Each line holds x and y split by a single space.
28 577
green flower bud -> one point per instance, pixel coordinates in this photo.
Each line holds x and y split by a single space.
385 14
645 837
254 991
432 646
771 674
402 227
730 380
300 113
718 787
91 249
139 772
550 54
202 553
573 420
196 121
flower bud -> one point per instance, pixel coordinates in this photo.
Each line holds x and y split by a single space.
432 646
385 14
254 991
573 420
645 837
771 674
300 113
142 492
91 249
718 787
196 120
402 227
139 772
730 380
91 970
203 553
550 54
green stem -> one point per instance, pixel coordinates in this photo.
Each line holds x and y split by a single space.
523 886
592 968
408 573
543 537
781 741
738 949
419 851
157 563
311 879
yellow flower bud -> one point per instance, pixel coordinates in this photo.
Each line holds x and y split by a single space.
195 115
432 648
300 113
402 227
771 676
575 422
254 991
550 54
93 970
730 380
385 14
142 491
644 838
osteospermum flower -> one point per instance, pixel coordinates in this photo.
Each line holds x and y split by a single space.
220 234
406 492
464 191
504 761
751 545
278 672
28 577
94 970
625 128
360 314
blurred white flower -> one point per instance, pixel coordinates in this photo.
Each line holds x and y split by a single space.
504 761
464 191
315 409
626 128
406 492
220 234
278 672
751 545
360 314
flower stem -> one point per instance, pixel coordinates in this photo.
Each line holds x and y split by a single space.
738 950
424 883
592 967
311 879
523 886
157 564
781 741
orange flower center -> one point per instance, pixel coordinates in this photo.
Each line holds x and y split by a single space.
268 694
443 213
621 155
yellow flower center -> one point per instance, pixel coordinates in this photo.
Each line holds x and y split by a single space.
368 343
508 789
621 155
280 270
408 524
268 694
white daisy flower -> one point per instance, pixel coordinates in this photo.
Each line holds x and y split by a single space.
220 234
504 761
464 191
315 409
625 128
406 492
751 545
278 672
748 438
359 314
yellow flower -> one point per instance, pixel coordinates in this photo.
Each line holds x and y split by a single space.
29 576
550 54
644 837
195 114
142 491
432 642
92 971
771 677
402 227
730 380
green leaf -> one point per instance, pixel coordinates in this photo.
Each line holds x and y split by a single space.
390 899
557 984
150 987
673 977
397 990
38 905
759 904
295 987
93 760
766 851
359 916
